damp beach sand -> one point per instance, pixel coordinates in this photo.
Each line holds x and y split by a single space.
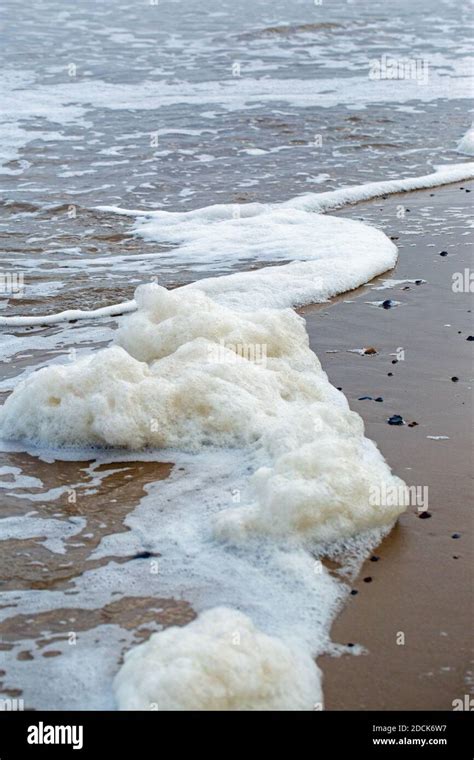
416 589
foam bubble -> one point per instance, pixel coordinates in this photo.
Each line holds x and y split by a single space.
220 661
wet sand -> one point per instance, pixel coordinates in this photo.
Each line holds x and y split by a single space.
421 583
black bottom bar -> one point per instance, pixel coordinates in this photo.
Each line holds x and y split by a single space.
374 734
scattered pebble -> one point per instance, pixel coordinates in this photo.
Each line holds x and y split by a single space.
350 644
143 555
455 379
374 558
354 592
389 374
365 398
456 535
470 337
443 253
396 419
369 350
368 579
387 304
379 398
424 515
394 361
412 424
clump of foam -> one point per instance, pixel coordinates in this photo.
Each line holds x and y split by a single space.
322 490
187 374
466 144
220 661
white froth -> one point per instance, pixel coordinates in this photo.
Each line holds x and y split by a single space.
214 369
220 661
328 255
189 373
466 144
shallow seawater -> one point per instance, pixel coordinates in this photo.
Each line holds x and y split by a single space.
165 106
176 107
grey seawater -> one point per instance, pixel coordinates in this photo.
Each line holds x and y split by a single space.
177 105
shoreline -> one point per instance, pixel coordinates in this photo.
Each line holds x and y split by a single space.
419 586
404 574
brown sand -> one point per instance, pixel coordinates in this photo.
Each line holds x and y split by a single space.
421 584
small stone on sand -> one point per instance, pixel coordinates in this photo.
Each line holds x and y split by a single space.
396 419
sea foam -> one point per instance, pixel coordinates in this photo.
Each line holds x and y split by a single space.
327 255
184 373
220 661
178 379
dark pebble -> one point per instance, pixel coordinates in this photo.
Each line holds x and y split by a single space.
468 191
455 379
412 424
389 374
395 419
418 282
455 556
368 579
379 398
394 361
72 321
354 592
374 558
443 253
424 515
339 389
350 644
470 337
143 555
365 398
456 535
387 304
